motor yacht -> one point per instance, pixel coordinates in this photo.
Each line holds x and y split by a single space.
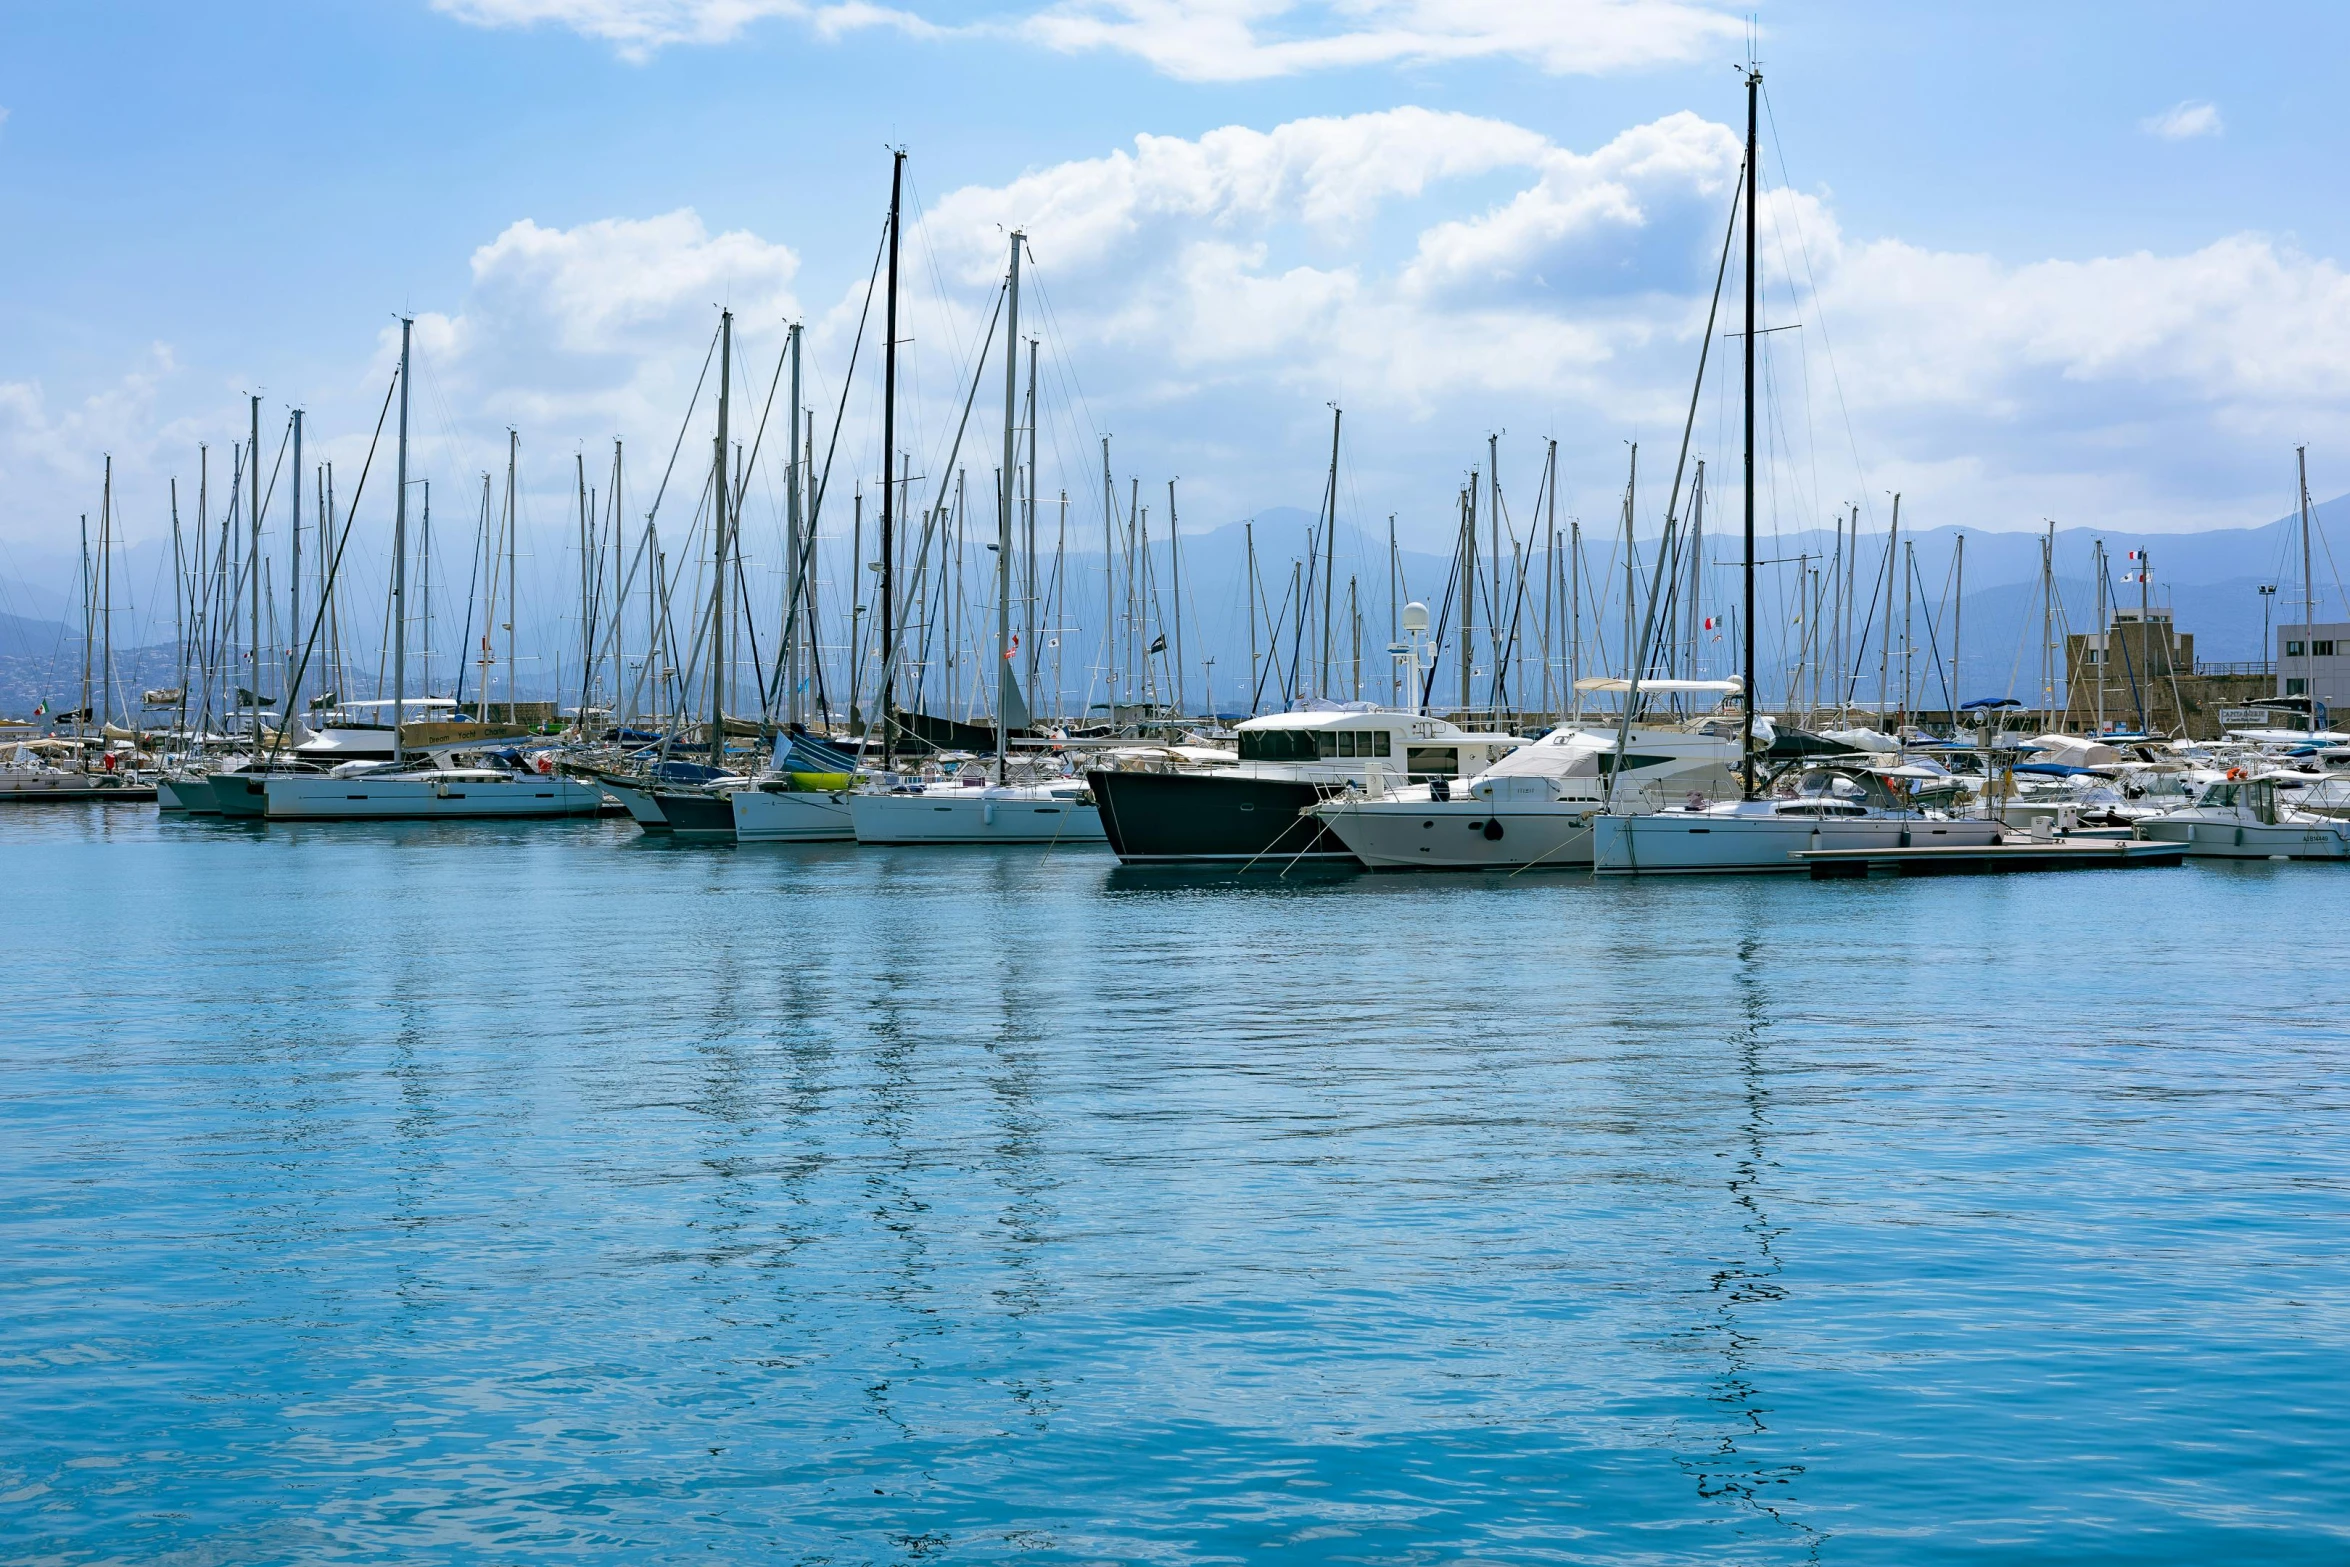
1534 806
1251 811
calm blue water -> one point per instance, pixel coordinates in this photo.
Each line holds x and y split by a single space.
375 1194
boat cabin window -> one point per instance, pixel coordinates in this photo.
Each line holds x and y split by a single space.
1350 742
1278 745
1432 761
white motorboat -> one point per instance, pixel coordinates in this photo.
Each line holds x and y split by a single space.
2244 819
1534 807
951 811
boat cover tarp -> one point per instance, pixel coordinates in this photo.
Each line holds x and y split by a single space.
804 753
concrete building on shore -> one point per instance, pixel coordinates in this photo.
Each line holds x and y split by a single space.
2314 660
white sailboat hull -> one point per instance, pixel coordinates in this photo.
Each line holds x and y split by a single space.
939 816
1696 842
1464 834
423 797
792 816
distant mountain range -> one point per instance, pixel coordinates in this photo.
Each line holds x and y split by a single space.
2210 581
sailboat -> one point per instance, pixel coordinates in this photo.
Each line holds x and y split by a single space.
1534 807
436 788
1754 832
992 810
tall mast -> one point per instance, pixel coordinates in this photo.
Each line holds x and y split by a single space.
424 573
1033 660
489 550
208 618
1248 533
2146 644
1746 623
1111 661
889 446
2047 626
619 593
1909 572
1175 568
1885 639
106 602
1007 677
589 595
1631 584
81 722
1060 592
1848 554
2308 598
513 554
1957 624
253 565
1394 632
294 579
1138 661
1550 573
179 619
719 517
1495 631
1330 550
2104 635
1696 567
399 562
795 569
1575 613
1468 552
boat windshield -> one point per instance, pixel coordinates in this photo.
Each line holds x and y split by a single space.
1278 745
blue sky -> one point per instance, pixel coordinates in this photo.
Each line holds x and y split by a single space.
2074 262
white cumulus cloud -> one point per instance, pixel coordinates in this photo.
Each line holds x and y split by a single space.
1247 40
1198 40
596 325
1440 275
638 28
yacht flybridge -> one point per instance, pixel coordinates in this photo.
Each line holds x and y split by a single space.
1256 810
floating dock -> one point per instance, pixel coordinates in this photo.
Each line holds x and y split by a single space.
2059 854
